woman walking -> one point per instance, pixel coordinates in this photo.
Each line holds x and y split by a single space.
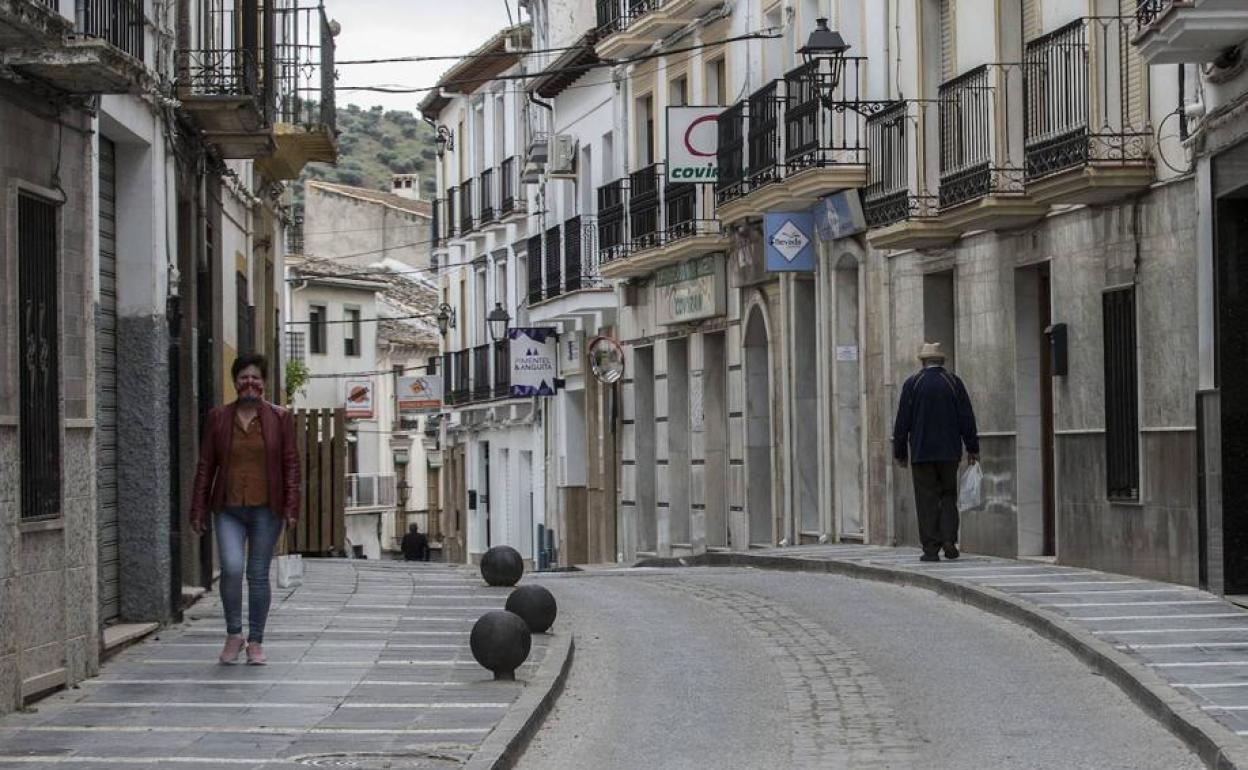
248 478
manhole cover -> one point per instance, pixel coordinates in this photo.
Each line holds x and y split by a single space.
408 761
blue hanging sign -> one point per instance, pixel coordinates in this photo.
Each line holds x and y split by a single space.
788 241
839 216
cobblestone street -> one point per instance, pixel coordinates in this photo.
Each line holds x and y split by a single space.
365 658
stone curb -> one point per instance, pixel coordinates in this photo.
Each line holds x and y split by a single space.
507 741
1217 746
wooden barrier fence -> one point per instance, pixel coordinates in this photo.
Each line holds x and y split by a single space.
322 439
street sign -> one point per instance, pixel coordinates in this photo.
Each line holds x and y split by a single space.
788 241
420 394
359 399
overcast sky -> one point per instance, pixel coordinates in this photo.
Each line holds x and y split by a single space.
374 29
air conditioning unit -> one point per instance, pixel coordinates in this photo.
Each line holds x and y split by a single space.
563 156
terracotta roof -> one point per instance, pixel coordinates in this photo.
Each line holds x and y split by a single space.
400 292
493 57
419 207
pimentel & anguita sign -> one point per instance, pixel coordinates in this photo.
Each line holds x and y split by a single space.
533 355
693 144
690 291
788 241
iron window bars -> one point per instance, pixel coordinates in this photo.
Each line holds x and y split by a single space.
39 410
1078 99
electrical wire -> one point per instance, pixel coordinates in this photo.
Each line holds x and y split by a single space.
364 320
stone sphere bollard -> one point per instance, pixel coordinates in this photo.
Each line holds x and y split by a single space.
500 642
535 605
502 565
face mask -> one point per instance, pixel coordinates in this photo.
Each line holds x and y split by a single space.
250 391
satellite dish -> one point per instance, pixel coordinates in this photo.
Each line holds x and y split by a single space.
606 359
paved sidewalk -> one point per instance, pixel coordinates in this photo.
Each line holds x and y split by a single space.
366 658
1180 652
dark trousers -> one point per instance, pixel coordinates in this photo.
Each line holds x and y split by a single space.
936 501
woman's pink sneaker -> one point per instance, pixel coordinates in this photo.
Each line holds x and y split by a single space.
229 654
255 654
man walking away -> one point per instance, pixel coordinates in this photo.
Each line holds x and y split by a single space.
934 421
415 545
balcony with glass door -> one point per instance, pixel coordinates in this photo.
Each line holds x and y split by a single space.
1182 31
1086 133
628 27
102 51
899 201
982 162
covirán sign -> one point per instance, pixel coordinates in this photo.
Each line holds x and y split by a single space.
693 144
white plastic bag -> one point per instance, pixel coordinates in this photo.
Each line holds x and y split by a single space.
971 489
289 570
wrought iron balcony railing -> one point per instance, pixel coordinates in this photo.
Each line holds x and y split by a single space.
466 220
487 196
482 385
688 210
616 15
508 176
223 58
1078 103
897 177
461 374
644 208
979 154
448 381
731 183
452 202
554 263
764 135
825 126
612 218
536 275
117 22
1147 11
303 64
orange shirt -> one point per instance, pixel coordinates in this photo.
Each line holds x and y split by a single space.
247 482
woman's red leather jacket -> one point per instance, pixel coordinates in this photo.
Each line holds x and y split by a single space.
277 425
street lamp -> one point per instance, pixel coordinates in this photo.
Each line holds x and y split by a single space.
445 318
497 320
825 45
445 140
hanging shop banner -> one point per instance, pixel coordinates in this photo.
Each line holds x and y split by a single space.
533 357
691 290
839 216
359 399
788 242
420 394
693 144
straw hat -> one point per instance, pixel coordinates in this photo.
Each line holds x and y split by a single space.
931 351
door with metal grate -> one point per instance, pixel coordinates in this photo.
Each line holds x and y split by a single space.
38 257
106 389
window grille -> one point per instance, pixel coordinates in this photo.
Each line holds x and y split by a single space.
39 411
1122 460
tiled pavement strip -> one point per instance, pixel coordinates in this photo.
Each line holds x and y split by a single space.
365 659
1185 640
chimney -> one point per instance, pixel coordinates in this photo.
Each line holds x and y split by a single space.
406 185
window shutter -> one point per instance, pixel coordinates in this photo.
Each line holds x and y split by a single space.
1135 72
948 40
1031 20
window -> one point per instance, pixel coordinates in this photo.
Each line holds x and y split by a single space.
678 92
716 83
316 329
1122 459
351 337
39 407
645 131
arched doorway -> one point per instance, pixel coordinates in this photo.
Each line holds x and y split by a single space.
846 384
758 429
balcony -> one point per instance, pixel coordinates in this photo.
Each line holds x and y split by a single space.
367 491
899 202
627 27
792 142
502 369
486 191
982 174
1086 137
1177 31
554 262
102 53
457 370
510 203
574 288
451 228
466 220
304 130
666 222
482 385
536 274
220 80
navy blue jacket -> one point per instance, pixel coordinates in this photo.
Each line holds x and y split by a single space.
934 419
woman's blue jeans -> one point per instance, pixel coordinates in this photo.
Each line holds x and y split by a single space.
259 528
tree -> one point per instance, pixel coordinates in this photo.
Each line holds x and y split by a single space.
297 376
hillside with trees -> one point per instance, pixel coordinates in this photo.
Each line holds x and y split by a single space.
373 144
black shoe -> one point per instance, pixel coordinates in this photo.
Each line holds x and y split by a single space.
951 551
930 557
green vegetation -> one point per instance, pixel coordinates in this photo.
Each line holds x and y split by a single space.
373 144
